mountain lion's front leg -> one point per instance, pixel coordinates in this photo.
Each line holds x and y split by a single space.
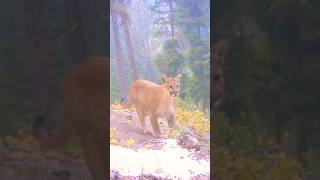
155 125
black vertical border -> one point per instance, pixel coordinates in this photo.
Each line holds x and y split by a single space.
212 115
108 83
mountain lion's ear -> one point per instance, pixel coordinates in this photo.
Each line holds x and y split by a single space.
178 76
163 78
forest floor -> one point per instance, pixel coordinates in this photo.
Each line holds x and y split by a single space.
155 158
31 163
145 158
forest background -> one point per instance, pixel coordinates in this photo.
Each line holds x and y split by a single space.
150 38
266 89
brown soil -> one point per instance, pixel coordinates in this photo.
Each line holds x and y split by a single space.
127 124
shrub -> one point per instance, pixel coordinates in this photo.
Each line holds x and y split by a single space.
194 119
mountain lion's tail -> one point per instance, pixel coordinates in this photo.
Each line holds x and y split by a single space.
48 139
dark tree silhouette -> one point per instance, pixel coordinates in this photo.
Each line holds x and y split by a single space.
76 37
37 60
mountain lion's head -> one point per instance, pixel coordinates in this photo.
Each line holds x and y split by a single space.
172 84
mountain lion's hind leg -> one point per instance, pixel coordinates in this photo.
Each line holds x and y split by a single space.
142 118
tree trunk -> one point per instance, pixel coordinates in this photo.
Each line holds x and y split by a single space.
133 70
76 38
120 62
145 25
220 49
37 61
171 19
148 66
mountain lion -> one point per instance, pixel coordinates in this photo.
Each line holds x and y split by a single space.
155 100
85 114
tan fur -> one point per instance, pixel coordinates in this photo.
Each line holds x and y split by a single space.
85 114
155 100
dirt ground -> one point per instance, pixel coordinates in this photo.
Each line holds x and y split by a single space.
127 124
29 163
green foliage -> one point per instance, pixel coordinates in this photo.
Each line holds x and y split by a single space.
170 60
271 73
185 104
188 82
193 18
187 52
239 154
199 60
193 59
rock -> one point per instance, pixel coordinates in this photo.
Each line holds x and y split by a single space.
114 175
189 142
